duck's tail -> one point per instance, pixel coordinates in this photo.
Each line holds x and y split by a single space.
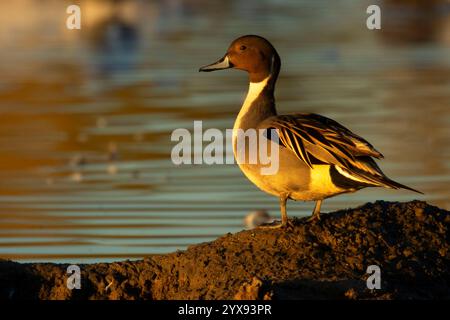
369 172
395 185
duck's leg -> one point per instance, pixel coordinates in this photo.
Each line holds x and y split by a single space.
316 212
284 218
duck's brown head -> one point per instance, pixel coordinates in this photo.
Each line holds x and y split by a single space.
253 54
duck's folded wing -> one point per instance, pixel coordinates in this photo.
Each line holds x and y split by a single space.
316 138
326 140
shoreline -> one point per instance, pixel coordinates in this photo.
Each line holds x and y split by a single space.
325 260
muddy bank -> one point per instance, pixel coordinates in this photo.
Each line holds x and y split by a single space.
323 260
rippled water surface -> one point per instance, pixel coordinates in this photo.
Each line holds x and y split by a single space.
86 116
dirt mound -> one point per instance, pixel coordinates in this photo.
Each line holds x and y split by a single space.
320 260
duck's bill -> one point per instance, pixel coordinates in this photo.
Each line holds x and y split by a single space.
223 63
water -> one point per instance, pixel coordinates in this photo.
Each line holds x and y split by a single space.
86 116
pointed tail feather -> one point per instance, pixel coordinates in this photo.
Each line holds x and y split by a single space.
369 171
397 185
377 179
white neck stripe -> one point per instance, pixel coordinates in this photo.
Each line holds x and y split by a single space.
254 90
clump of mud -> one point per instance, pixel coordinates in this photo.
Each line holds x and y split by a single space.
322 260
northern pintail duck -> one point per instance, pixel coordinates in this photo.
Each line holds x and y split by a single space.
318 157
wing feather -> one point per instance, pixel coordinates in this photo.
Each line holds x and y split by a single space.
311 135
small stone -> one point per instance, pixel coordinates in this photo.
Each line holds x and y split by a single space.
351 294
252 291
419 213
407 252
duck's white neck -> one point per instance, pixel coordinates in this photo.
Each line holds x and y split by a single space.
254 90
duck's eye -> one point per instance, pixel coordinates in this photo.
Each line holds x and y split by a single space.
242 48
